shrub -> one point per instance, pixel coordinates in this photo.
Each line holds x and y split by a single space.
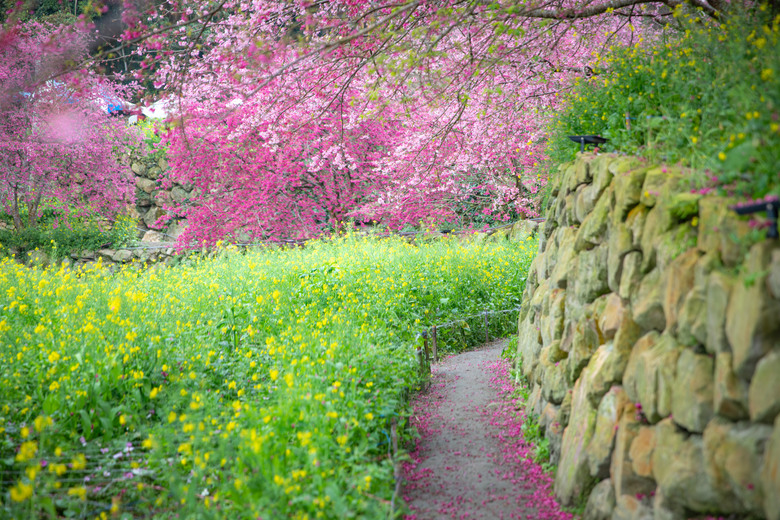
706 95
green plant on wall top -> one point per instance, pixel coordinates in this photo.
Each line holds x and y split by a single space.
58 240
706 95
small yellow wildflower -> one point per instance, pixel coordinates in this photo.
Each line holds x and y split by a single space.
21 492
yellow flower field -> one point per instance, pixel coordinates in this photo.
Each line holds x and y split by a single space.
249 385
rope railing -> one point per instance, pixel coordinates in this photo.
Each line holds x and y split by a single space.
431 350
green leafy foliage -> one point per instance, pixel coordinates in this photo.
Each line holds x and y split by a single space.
58 239
706 94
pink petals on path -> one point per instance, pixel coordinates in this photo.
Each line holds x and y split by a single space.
471 461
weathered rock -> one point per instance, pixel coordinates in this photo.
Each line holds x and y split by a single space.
548 415
154 172
601 502
721 231
585 340
582 172
161 198
529 345
575 309
655 375
627 184
523 230
179 195
550 258
573 476
142 199
615 311
594 224
711 211
599 169
631 373
677 281
678 468
631 275
531 282
671 244
569 215
657 223
596 308
692 322
719 288
554 352
733 454
773 280
145 185
692 392
552 320
153 237
733 234
583 202
622 474
730 392
123 255
632 507
139 168
149 255
592 274
535 403
564 411
564 268
105 254
619 243
539 295
641 452
554 385
648 306
764 393
151 217
559 211
663 510
635 220
651 189
770 475
554 432
610 360
603 371
659 182
548 228
752 324
38 258
608 414
701 273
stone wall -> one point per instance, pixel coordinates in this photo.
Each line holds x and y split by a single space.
650 334
151 196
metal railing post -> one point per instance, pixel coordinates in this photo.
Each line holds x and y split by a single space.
435 345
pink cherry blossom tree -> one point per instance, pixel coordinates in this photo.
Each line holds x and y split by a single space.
58 146
291 117
457 98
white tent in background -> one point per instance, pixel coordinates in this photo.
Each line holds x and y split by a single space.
158 110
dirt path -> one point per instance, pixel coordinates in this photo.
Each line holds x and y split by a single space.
471 461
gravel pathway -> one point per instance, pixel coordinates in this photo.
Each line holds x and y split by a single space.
471 461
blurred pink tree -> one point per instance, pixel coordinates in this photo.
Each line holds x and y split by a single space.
58 146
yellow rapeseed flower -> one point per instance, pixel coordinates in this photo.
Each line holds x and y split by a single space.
21 492
79 491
